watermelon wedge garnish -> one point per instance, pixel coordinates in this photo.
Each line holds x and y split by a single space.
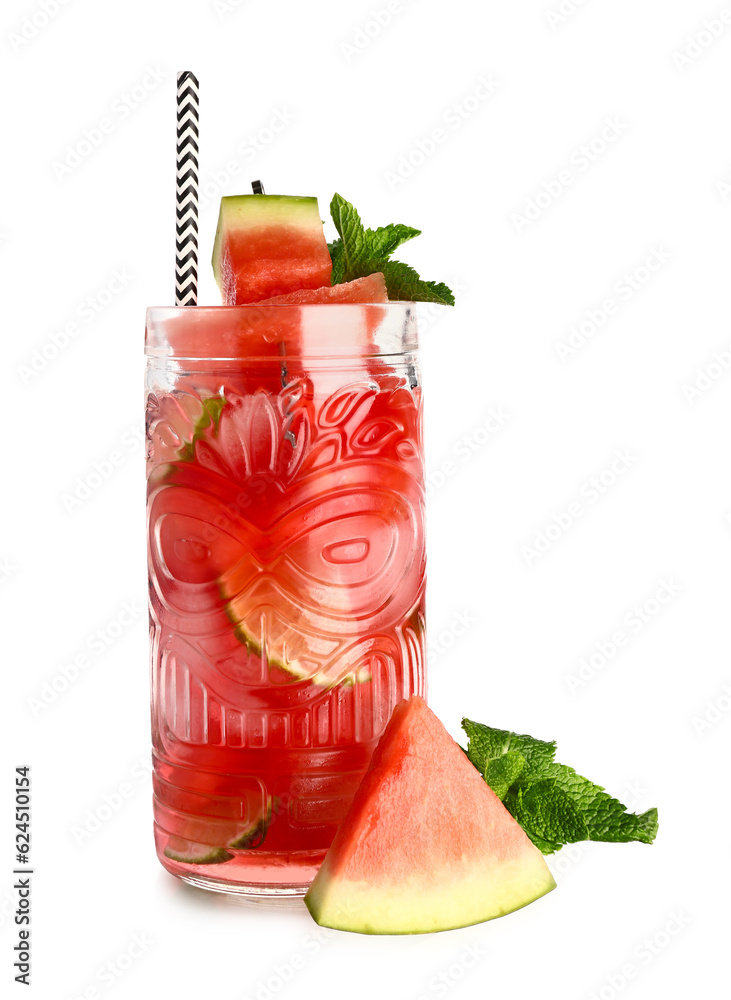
269 245
426 844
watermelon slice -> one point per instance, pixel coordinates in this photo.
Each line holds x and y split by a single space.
370 289
426 844
269 245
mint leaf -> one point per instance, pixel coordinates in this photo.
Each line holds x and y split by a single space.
547 812
365 246
544 846
337 253
211 416
386 239
404 284
486 743
606 818
352 234
553 804
501 772
359 252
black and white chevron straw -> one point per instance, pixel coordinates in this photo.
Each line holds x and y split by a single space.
186 192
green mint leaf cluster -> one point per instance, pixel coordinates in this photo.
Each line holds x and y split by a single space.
359 252
554 805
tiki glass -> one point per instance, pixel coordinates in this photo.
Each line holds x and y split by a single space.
286 564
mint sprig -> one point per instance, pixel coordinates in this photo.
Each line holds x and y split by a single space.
553 804
359 252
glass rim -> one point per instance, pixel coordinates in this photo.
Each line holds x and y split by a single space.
271 331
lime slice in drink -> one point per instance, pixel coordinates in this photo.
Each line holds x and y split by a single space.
189 853
254 834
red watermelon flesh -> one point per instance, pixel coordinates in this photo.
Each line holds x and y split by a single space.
369 289
426 844
269 245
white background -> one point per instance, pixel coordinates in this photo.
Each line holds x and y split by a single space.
652 721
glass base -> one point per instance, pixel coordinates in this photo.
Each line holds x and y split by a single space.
256 876
267 894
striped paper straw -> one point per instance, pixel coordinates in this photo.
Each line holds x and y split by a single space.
186 192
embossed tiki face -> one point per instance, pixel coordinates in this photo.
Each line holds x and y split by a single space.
302 520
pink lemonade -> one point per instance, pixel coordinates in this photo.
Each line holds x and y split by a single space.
286 554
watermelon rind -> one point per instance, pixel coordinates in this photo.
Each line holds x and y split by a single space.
446 901
426 844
